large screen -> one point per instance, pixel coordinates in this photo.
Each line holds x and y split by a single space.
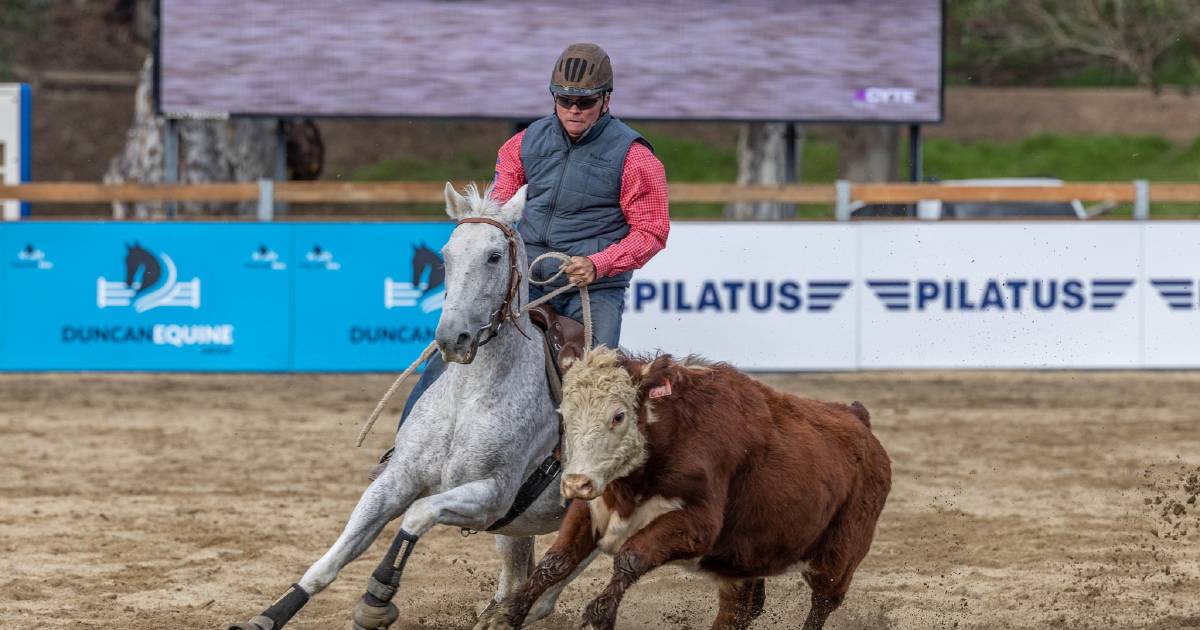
779 60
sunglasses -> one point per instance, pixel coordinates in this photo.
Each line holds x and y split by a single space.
583 103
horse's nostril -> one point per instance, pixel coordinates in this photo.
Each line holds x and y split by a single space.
464 339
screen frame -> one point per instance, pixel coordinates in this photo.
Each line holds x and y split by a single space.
156 92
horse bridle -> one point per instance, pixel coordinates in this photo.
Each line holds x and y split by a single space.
506 312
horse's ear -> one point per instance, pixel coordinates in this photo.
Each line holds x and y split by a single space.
510 212
456 204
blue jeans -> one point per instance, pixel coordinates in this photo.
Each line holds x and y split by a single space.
607 307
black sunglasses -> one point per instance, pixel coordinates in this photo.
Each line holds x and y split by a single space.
584 103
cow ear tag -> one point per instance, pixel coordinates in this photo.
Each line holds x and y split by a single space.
662 390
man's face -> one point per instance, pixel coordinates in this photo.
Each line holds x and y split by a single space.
578 113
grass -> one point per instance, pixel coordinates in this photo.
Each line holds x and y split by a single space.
1073 158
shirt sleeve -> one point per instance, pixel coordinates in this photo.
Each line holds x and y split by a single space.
510 174
644 204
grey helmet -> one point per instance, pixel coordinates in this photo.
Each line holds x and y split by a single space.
582 70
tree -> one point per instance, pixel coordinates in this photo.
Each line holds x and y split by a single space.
762 160
1038 40
18 16
209 151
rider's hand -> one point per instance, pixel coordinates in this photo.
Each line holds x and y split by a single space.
580 270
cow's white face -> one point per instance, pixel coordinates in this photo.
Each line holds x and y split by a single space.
601 437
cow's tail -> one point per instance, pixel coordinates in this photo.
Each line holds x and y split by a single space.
861 413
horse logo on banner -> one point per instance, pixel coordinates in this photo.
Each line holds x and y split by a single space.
150 282
425 290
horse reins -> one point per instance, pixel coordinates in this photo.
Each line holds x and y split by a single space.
505 312
501 314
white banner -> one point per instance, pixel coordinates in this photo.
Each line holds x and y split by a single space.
1172 294
801 296
763 296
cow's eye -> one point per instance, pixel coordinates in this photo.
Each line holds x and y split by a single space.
618 418
494 257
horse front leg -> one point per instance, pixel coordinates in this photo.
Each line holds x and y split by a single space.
382 501
473 505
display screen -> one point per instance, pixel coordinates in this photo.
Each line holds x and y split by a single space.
800 60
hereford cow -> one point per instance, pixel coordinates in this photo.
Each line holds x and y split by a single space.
697 464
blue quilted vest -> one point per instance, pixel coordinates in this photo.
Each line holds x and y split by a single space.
573 202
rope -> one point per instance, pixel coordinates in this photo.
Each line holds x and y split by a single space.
425 354
432 347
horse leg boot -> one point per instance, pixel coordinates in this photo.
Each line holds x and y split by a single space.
375 611
383 500
278 613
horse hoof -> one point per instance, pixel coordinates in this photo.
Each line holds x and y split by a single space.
374 617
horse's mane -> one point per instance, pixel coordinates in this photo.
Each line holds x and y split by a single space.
481 204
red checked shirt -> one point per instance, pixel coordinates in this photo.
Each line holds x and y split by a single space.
643 202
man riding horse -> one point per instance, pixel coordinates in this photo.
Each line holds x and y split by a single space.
596 192
579 182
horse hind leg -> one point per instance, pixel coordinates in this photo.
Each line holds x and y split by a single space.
516 565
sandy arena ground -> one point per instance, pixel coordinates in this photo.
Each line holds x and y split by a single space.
1020 500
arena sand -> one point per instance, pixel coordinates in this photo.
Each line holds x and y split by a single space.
1020 500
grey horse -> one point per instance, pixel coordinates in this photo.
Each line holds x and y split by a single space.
472 438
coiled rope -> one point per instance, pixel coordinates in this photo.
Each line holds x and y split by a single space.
432 347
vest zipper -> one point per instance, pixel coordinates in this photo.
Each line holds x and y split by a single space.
557 193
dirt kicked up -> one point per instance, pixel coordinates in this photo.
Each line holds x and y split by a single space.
1020 500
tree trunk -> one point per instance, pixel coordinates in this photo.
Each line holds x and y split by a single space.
762 159
209 151
868 153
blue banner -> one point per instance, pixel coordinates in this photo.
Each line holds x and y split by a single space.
142 296
219 296
367 296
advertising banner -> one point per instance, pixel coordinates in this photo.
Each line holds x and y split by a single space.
1000 295
368 296
762 296
137 296
758 296
1171 294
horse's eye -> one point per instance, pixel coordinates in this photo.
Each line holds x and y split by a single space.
494 257
618 418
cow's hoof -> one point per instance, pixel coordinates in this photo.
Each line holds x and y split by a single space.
374 617
258 623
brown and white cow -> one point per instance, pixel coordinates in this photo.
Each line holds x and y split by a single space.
697 464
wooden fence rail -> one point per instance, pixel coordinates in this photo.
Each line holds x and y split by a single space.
842 194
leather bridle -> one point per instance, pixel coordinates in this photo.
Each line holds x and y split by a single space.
507 311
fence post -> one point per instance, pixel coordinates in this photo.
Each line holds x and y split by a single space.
266 200
841 209
1141 199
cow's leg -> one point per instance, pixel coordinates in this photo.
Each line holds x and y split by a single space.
549 599
847 540
741 602
382 501
574 547
675 535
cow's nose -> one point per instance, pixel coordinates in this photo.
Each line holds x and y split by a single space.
578 487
